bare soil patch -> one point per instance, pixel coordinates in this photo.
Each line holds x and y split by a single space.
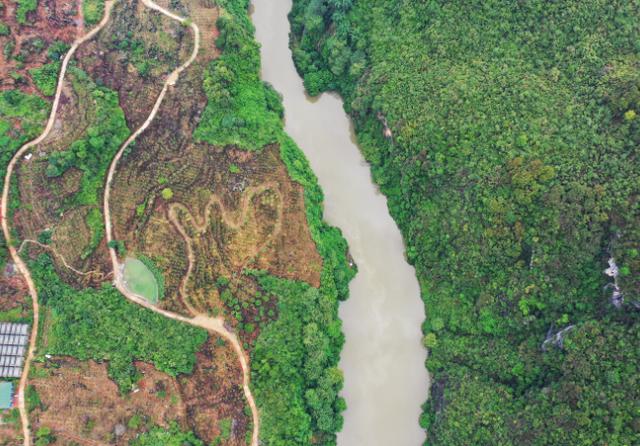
14 294
213 395
80 401
25 46
81 404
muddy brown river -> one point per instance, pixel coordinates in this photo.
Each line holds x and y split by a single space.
383 360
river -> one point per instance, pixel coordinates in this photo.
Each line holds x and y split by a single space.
383 360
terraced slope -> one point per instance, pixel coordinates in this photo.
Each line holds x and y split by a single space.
505 136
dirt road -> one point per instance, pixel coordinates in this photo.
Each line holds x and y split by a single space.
215 325
233 222
5 222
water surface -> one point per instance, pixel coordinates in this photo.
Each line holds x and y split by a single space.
139 279
383 360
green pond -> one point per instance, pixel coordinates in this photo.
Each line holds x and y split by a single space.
140 280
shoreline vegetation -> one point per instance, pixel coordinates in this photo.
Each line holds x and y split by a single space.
294 364
505 138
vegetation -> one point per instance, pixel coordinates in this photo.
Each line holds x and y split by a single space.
294 361
163 437
294 367
32 399
102 325
143 59
167 193
93 10
29 110
22 118
4 29
46 77
25 7
240 108
225 429
44 436
14 315
505 137
95 223
56 50
93 152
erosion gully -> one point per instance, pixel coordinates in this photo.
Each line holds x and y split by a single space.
382 360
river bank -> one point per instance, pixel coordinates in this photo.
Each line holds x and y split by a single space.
382 360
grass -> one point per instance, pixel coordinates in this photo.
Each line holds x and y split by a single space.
13 315
93 11
140 280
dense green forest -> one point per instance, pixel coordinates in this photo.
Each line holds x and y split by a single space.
294 367
505 135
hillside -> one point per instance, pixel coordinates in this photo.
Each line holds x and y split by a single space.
505 136
163 235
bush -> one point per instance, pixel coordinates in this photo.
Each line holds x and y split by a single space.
103 325
46 77
93 10
167 193
173 436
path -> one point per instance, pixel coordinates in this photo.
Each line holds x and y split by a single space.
5 222
61 257
215 325
211 324
232 223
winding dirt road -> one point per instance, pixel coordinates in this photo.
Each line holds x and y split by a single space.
231 222
5 222
215 325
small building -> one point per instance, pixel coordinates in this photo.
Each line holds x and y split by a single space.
13 346
6 395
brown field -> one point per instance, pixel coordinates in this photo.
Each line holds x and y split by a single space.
53 20
214 393
14 295
10 434
136 39
230 209
81 404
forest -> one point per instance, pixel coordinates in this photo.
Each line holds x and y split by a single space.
294 363
505 136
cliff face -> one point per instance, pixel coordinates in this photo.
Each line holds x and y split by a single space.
505 138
